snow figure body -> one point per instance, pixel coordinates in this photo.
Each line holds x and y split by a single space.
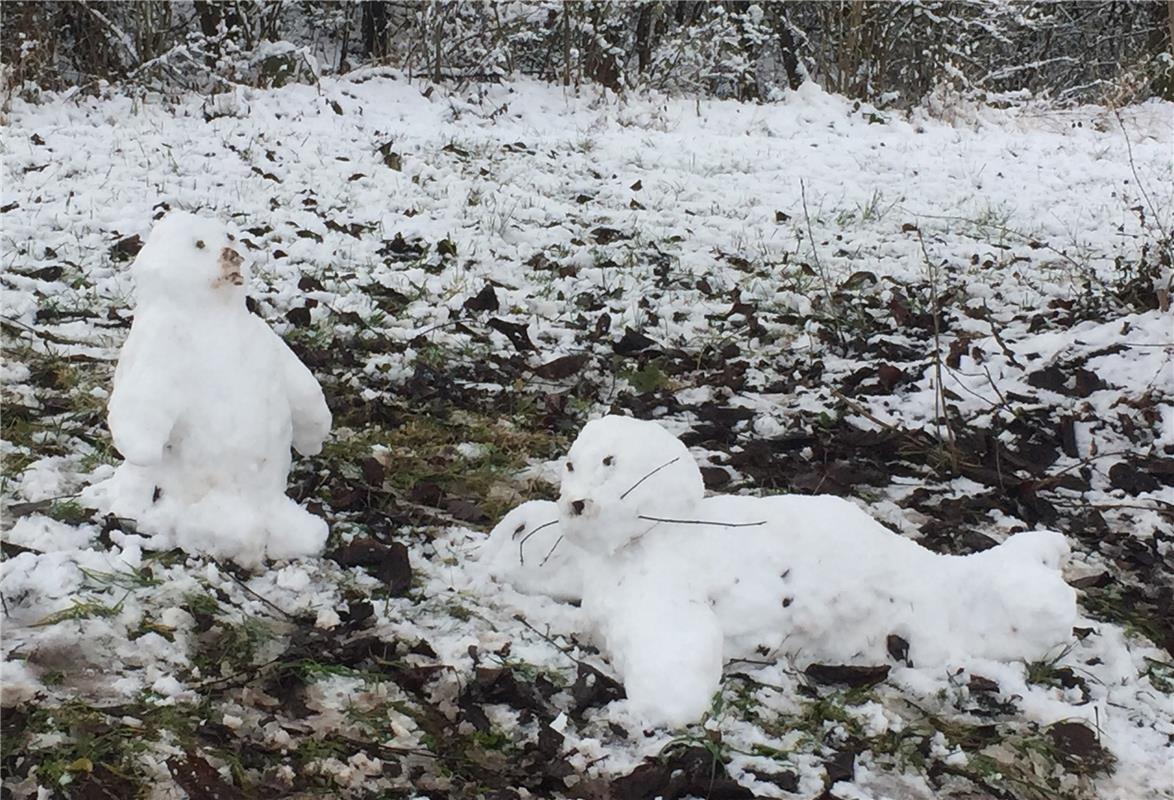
526 549
822 581
812 578
205 404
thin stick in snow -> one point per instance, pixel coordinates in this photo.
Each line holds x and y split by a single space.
526 538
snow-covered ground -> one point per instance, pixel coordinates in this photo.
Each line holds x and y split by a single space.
471 277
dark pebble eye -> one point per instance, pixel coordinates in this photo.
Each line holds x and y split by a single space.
199 244
570 467
608 461
231 238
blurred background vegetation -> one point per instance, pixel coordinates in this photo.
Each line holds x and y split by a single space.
888 53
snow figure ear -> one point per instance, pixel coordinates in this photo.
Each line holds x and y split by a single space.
619 477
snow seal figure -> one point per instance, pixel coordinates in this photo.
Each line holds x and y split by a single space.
205 404
679 584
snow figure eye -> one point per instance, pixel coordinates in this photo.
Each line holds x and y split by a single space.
231 238
519 529
199 244
570 467
609 460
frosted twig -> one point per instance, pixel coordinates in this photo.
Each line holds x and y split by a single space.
823 275
1137 179
557 542
253 592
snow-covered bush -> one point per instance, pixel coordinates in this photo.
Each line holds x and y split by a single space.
1065 52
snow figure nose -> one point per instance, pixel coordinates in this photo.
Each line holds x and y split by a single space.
577 507
230 266
231 257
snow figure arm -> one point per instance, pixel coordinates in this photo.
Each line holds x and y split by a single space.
144 402
307 405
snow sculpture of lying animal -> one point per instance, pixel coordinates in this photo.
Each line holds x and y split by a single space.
810 577
205 404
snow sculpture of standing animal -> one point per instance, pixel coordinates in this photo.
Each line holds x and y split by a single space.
205 404
678 584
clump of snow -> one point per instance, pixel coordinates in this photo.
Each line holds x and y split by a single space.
675 584
47 535
18 683
46 478
206 402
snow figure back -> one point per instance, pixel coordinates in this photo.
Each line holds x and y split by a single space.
205 404
619 475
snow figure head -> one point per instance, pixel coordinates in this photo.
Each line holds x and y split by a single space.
526 549
191 259
620 475
520 537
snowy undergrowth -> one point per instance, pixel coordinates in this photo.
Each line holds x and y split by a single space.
970 346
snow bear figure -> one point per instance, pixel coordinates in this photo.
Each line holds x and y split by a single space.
205 404
528 550
620 476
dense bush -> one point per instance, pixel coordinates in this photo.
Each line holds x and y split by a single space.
895 52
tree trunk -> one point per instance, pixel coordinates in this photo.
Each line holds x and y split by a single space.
788 49
566 45
644 36
375 29
437 41
209 14
1170 23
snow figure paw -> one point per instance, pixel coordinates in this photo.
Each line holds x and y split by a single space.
620 478
127 491
221 524
293 531
528 550
668 649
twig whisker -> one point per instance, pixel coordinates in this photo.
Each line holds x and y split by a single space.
557 542
704 522
649 475
526 538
